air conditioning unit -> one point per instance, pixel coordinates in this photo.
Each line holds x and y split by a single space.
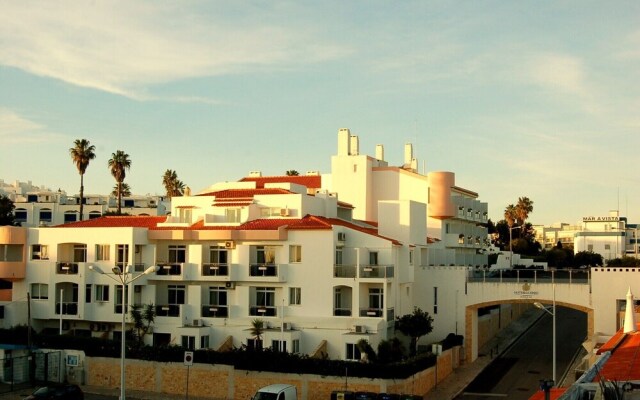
197 322
342 236
230 285
286 326
284 212
229 244
360 328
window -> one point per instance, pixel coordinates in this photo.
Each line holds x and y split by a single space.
269 212
177 254
102 252
128 203
217 296
376 298
185 215
233 214
94 214
461 238
218 255
338 255
32 198
204 342
102 292
277 345
79 253
45 215
410 257
39 291
176 294
590 247
435 300
70 216
265 255
295 294
295 253
20 215
87 293
373 258
118 299
189 342
353 352
265 296
122 255
607 247
39 252
295 345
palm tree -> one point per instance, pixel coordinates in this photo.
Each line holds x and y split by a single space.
510 215
523 208
257 329
172 185
292 172
81 154
118 164
126 190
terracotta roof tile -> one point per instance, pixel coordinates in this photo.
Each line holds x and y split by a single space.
123 221
624 363
243 193
310 181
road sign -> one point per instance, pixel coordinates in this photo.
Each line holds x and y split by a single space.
188 358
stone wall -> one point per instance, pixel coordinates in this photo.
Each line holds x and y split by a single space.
224 382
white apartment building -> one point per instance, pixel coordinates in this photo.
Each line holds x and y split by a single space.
324 260
40 206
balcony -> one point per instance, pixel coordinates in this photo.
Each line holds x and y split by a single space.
263 311
267 272
371 312
168 310
342 312
221 270
67 268
344 271
376 271
67 308
169 270
117 309
214 311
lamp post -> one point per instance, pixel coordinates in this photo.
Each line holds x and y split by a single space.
124 278
553 315
511 251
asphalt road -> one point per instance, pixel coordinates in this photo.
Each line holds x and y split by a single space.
517 373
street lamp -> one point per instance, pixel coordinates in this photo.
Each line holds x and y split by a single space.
551 312
511 240
124 278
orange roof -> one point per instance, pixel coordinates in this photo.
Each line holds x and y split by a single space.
120 221
310 181
243 193
555 393
624 363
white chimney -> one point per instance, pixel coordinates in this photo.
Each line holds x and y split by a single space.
355 145
408 154
255 174
380 152
629 314
344 142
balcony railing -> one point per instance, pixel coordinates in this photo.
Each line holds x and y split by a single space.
168 310
67 268
376 271
139 267
341 312
215 270
263 311
67 308
257 270
169 269
117 309
344 271
371 312
214 311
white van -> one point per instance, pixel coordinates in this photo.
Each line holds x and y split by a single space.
279 391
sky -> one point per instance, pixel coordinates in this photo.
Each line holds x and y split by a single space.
518 98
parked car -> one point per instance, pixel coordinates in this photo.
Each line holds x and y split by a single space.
278 391
64 391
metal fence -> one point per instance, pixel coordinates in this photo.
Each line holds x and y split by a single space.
20 372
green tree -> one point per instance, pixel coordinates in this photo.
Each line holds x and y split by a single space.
6 212
523 208
257 330
414 325
172 185
588 258
366 349
82 153
390 351
143 319
126 190
119 163
292 172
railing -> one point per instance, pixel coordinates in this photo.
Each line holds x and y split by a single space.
168 310
67 308
562 276
263 270
376 271
371 312
263 311
344 271
215 270
214 311
169 269
341 312
139 267
67 268
117 309
391 314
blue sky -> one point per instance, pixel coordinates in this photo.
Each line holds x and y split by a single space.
525 98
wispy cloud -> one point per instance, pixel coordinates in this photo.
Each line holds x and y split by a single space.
123 47
559 71
14 129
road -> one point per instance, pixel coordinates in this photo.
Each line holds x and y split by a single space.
517 373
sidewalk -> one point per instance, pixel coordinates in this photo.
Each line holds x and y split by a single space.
455 383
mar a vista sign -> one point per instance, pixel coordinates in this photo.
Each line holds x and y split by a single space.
600 219
525 292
